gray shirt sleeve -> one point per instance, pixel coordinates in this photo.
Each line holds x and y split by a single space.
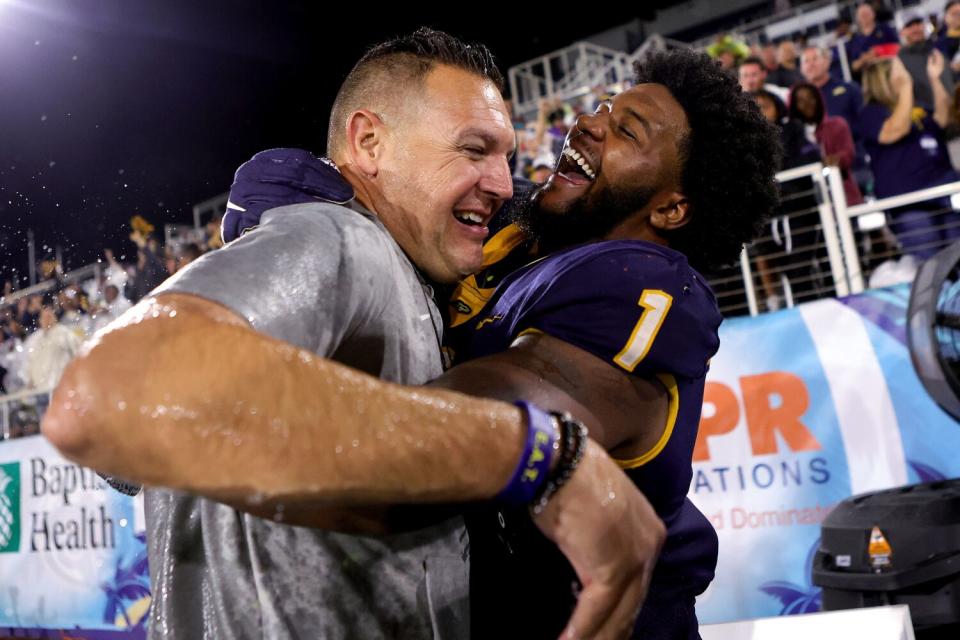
310 274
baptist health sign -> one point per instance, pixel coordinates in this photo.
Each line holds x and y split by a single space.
72 551
803 408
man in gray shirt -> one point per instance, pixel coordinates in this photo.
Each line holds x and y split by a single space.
420 131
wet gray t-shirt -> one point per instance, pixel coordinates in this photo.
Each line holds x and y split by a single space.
331 280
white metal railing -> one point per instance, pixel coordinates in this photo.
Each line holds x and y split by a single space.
844 255
824 192
845 215
565 74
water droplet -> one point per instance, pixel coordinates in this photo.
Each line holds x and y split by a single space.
74 57
43 118
356 443
123 522
36 43
338 449
122 406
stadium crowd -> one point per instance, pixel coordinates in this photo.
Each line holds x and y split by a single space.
40 332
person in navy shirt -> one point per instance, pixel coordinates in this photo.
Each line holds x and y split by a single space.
842 99
908 153
870 33
948 40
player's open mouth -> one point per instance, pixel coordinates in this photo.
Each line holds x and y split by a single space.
575 168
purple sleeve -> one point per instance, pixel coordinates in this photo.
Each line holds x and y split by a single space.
870 121
638 311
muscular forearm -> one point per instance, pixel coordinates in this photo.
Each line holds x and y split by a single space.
181 398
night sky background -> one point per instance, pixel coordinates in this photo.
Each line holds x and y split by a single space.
111 108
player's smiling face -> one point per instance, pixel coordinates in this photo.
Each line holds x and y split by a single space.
631 146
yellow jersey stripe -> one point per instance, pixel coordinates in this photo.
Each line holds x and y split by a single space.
671 384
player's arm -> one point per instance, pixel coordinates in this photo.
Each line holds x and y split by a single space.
626 414
181 393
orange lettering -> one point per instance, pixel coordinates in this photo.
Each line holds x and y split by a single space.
724 419
765 420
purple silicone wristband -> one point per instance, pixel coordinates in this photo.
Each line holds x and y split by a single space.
534 466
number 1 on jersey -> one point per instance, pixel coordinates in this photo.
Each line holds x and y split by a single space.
655 305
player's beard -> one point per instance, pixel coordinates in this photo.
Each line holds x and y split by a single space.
584 220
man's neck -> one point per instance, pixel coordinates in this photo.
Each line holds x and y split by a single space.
361 188
821 81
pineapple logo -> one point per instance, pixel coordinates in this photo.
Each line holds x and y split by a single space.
10 507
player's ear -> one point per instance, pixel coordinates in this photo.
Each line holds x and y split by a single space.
671 212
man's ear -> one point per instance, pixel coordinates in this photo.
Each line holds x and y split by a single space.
671 212
364 144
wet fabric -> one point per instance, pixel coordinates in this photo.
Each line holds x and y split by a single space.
331 280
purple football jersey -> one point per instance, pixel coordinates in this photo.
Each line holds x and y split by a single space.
640 307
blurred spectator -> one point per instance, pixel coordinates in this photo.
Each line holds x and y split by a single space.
768 55
7 288
12 334
797 150
541 169
72 310
50 269
111 308
214 239
843 99
907 151
753 76
839 38
914 52
48 351
843 32
187 254
870 33
28 311
150 270
786 74
830 133
948 40
728 51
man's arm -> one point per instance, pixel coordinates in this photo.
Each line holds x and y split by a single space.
181 393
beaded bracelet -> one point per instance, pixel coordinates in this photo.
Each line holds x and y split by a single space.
534 467
574 438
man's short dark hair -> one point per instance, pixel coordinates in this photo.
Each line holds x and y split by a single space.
730 157
753 60
402 64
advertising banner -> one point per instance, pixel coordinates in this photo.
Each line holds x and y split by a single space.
803 408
